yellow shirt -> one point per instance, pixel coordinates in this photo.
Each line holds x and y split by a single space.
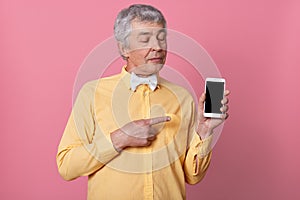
158 171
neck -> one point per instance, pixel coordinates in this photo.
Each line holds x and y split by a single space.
131 69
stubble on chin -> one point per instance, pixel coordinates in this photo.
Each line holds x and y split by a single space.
147 69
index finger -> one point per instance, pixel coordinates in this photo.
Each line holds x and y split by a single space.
157 120
226 92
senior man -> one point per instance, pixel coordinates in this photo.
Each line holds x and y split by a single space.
136 135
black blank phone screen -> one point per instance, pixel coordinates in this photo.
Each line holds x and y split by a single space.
214 96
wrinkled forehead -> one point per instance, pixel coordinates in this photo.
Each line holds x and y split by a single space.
144 28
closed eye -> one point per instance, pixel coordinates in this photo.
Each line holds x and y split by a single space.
161 36
144 39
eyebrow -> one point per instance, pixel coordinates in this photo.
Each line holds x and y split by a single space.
149 33
162 30
144 33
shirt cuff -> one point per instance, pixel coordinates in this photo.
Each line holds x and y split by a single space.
201 147
103 149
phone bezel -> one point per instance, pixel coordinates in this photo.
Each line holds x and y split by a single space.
213 115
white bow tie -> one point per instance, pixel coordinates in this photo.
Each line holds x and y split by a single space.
135 81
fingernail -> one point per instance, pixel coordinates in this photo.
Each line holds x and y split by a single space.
168 118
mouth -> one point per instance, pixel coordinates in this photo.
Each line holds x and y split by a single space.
158 60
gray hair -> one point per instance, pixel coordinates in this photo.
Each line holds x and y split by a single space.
140 12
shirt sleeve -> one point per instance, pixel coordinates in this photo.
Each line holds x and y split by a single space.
83 149
197 159
198 154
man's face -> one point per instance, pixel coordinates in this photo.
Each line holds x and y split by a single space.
146 50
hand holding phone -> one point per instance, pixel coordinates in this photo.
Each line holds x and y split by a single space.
214 89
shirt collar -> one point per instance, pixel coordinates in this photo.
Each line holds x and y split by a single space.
126 78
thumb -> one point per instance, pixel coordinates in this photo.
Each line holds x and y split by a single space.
201 102
201 106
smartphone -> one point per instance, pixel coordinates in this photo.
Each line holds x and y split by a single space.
214 89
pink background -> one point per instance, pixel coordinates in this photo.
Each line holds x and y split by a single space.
255 44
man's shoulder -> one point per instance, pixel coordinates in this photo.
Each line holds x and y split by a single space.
88 88
92 85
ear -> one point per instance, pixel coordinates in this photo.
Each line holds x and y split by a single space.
123 50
